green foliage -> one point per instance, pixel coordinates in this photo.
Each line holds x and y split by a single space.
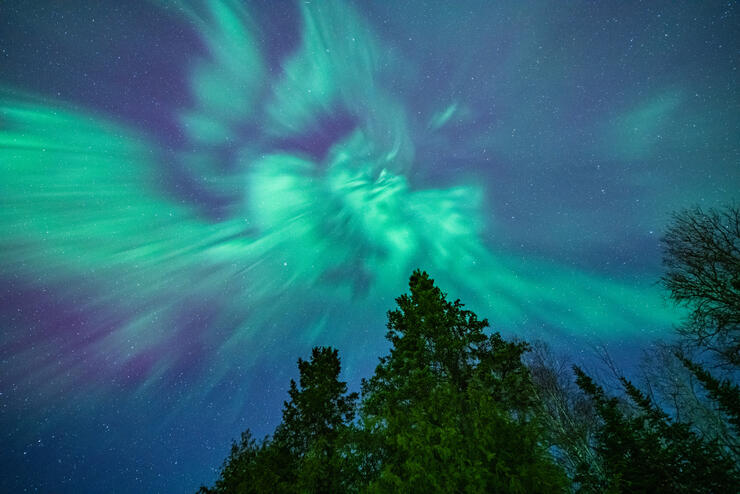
646 451
450 407
318 407
253 468
303 455
314 420
453 408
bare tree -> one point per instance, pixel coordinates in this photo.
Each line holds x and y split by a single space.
568 416
702 261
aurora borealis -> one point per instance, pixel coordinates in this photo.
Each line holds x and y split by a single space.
194 193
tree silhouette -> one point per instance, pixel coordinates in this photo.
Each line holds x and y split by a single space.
723 392
567 414
646 451
702 261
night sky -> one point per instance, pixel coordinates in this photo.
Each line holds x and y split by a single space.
193 194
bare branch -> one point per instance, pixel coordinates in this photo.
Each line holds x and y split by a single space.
702 261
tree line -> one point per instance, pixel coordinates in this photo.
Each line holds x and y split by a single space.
455 407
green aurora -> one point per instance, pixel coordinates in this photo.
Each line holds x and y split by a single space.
81 202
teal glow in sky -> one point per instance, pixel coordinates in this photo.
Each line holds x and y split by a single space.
195 193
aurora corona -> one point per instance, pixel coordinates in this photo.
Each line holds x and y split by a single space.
80 201
149 291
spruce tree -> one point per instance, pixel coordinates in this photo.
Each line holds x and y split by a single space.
644 450
314 420
450 408
304 453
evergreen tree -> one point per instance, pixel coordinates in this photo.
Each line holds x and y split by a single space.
314 419
303 455
253 468
450 409
646 451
